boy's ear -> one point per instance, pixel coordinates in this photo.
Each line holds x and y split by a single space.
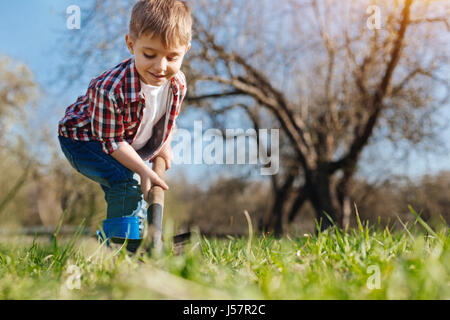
188 47
130 43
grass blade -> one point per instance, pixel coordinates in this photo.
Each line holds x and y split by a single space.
423 223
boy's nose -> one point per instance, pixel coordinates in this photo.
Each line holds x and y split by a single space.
161 66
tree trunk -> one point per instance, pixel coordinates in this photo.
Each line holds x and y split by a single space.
326 195
298 203
275 223
324 199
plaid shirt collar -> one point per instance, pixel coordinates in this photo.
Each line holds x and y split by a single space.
132 92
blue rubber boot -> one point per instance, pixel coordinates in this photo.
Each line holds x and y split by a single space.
117 230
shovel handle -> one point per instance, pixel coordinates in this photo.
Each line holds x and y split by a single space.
156 204
156 193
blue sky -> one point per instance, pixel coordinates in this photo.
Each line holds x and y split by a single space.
30 29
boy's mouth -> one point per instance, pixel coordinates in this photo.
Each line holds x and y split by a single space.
160 77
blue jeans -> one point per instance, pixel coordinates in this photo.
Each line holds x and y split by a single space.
121 186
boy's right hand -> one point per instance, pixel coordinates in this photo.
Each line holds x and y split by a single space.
149 178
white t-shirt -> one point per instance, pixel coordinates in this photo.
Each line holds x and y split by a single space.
155 108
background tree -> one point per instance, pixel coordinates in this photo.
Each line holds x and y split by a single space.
18 93
347 84
33 191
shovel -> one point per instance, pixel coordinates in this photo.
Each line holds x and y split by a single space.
156 209
155 217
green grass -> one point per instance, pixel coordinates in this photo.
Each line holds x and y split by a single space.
362 263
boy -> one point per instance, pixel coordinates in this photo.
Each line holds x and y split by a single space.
128 113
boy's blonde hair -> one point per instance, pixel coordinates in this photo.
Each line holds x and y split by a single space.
169 19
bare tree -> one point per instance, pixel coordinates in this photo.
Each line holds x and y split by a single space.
357 81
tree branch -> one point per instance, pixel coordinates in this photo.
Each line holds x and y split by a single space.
192 99
431 20
375 105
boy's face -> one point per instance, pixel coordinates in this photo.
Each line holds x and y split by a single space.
155 65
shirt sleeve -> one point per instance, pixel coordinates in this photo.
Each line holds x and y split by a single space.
106 120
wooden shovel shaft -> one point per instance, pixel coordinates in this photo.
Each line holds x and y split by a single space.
156 204
156 209
156 192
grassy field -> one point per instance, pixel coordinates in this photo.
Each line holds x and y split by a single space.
362 263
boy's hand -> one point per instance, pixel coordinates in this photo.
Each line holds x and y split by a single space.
167 154
127 156
149 178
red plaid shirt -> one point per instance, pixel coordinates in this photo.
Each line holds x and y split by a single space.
112 108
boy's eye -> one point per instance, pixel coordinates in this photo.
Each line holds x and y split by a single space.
153 56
